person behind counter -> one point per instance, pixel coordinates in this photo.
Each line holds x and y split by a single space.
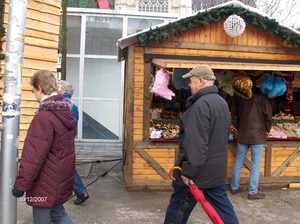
203 136
253 120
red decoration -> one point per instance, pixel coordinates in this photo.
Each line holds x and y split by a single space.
160 86
210 211
289 98
102 4
199 196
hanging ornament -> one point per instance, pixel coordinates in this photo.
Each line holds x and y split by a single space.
160 86
289 94
234 26
242 86
225 82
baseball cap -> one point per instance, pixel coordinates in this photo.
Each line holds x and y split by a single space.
203 71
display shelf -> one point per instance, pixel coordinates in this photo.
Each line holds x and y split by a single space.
163 140
294 121
165 121
284 139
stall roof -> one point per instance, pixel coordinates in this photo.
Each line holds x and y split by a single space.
123 43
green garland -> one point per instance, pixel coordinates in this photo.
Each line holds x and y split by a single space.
205 18
82 4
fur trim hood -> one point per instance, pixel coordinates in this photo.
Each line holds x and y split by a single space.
61 108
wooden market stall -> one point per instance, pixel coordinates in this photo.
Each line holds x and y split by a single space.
264 45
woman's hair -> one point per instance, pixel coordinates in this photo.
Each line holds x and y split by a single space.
45 80
66 86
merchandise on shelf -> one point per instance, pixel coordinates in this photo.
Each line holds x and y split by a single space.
284 126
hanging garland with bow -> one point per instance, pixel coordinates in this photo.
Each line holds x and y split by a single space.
205 18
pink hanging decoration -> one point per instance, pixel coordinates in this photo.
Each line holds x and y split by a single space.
160 86
102 4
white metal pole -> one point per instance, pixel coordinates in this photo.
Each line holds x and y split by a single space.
11 108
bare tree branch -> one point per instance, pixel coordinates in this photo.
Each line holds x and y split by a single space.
289 13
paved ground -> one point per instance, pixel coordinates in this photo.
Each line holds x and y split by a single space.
110 203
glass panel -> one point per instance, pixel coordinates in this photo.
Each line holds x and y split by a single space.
101 120
73 74
102 78
73 35
102 34
136 25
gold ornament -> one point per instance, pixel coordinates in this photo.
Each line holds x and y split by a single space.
242 85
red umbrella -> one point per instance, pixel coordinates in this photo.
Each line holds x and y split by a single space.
210 211
199 196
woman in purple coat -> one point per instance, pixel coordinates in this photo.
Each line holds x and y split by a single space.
47 165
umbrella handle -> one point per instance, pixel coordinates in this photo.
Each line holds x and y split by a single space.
171 171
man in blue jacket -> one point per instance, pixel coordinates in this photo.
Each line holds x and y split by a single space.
66 89
203 137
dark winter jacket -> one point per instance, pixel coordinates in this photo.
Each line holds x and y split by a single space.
203 137
47 166
252 118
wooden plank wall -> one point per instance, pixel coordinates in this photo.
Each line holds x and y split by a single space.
138 94
280 163
150 165
281 155
215 34
40 52
129 116
245 173
212 41
142 170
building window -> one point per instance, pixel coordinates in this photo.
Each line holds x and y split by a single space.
153 6
138 24
102 34
73 36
